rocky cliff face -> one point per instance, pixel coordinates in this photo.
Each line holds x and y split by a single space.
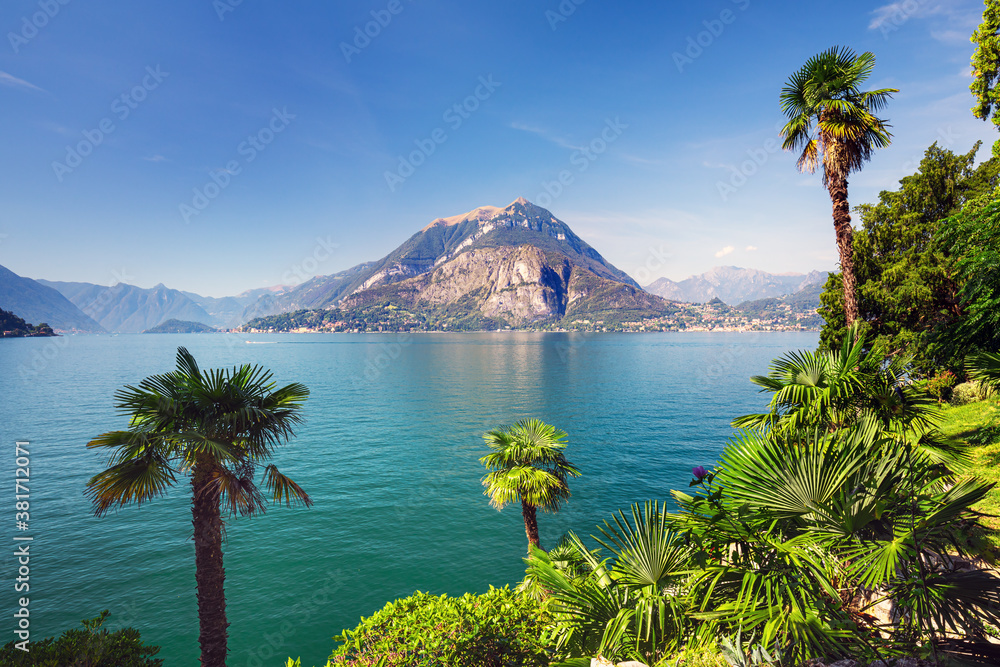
510 285
516 285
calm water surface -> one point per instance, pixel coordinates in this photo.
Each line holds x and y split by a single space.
388 453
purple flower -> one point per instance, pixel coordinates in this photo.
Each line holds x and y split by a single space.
699 472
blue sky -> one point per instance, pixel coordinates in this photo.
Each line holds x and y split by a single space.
222 145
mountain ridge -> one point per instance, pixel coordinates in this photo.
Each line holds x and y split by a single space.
490 267
34 301
734 285
124 308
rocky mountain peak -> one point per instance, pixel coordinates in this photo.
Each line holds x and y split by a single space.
519 208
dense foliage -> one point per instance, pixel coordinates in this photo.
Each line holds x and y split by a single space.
179 326
829 529
500 628
93 646
973 240
986 64
12 326
908 262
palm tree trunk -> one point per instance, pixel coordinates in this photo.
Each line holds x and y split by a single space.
530 523
210 575
837 185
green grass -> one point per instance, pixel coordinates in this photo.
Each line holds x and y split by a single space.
978 426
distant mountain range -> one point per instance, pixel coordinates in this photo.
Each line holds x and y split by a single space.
37 303
490 267
127 308
734 285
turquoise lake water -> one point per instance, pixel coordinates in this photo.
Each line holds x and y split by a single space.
389 453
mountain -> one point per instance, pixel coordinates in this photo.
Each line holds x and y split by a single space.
126 308
36 302
311 294
231 311
492 267
484 229
734 285
801 305
179 326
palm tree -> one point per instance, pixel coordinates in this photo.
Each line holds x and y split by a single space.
218 426
827 93
833 389
527 464
984 368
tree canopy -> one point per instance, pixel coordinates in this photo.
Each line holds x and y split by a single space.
910 290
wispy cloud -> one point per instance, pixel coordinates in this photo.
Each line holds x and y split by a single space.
725 251
897 12
14 82
950 36
954 26
545 134
155 158
751 248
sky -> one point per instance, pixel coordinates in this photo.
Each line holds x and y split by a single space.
217 146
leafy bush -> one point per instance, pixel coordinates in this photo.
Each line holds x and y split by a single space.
500 628
965 393
970 392
93 646
940 386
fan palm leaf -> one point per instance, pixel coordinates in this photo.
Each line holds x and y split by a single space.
220 426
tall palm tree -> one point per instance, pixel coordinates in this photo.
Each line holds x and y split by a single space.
218 426
832 120
527 464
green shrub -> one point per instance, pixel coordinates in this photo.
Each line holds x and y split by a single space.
970 392
965 393
498 628
940 386
93 646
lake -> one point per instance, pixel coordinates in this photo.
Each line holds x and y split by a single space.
389 453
